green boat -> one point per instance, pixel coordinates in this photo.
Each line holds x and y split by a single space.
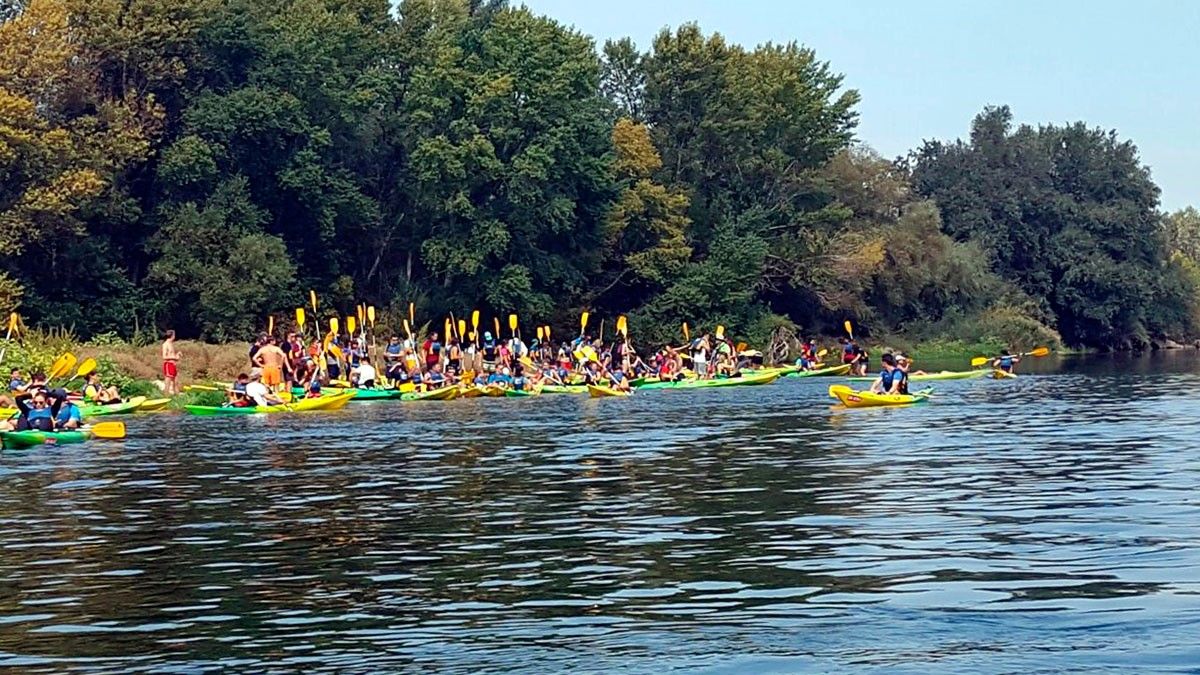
21 440
822 372
362 395
520 393
330 402
122 408
944 375
743 381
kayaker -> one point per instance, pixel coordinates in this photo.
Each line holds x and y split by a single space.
500 378
1006 362
891 380
257 391
364 375
170 364
37 382
332 365
862 360
905 363
69 416
95 391
38 411
435 379
393 355
16 383
619 380
518 377
271 362
313 390
237 393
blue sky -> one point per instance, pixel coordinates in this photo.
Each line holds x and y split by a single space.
925 69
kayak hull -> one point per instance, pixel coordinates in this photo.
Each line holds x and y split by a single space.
564 389
521 393
1002 375
865 399
604 392
325 403
442 394
743 381
154 405
20 440
362 395
823 372
122 408
929 377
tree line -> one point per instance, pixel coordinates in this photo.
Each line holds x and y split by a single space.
201 164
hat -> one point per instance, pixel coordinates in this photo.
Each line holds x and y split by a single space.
256 373
487 335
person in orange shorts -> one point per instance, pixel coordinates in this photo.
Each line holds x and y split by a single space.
273 362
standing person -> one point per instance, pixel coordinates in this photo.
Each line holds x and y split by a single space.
700 356
272 362
433 351
862 359
170 365
453 355
258 344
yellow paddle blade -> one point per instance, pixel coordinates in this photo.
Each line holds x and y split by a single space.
62 366
270 324
741 347
849 328
720 332
979 361
1040 351
583 318
333 325
475 320
822 353
12 322
838 387
371 314
407 329
336 351
540 333
687 334
351 324
447 328
623 326
473 336
86 367
496 323
312 297
412 308
114 430
300 318
462 328
512 322
358 312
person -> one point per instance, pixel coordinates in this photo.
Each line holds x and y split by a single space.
619 380
170 364
490 352
258 392
96 392
293 348
270 362
1006 362
892 380
37 382
432 350
38 411
518 377
434 379
905 363
500 378
313 388
237 393
454 355
258 344
68 416
364 375
862 360
16 383
393 351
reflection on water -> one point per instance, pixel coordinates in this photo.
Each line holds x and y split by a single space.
1049 522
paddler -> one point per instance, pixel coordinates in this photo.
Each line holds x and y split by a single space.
69 416
95 391
16 383
1006 362
257 391
38 411
393 364
892 380
364 375
435 379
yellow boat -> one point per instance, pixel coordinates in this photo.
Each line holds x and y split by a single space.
153 405
998 374
866 399
603 392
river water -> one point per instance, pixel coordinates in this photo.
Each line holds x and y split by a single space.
1047 523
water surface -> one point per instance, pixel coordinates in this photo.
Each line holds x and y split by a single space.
1044 524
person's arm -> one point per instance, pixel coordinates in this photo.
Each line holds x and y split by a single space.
21 402
877 386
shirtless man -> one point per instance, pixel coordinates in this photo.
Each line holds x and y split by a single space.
271 359
170 368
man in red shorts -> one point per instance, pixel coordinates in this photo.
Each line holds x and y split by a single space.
170 359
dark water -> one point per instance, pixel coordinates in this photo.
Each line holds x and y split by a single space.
1045 524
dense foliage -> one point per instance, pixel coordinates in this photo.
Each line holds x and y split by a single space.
200 164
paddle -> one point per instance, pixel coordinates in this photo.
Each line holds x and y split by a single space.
981 360
111 430
85 368
547 333
687 334
351 324
300 320
61 366
412 316
720 332
12 325
849 329
540 334
496 325
583 319
462 329
270 324
512 324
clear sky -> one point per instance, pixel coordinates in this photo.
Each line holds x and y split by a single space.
924 69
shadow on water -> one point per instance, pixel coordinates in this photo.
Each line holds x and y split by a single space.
1046 522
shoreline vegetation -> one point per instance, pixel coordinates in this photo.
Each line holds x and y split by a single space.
201 164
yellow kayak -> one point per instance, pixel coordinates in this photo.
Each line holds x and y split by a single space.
153 405
470 392
865 399
602 392
998 374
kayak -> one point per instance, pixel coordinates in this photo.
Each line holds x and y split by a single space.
564 389
20 440
470 392
743 381
1002 374
154 405
602 392
492 390
944 375
443 394
330 402
122 408
822 372
866 399
362 395
522 393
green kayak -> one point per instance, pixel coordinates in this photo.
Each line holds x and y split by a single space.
122 408
743 381
20 440
520 393
362 395
826 372
944 375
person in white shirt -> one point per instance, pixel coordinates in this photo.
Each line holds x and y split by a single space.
258 392
364 375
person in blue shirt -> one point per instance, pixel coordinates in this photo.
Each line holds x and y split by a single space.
68 416
15 381
892 380
1006 362
38 411
434 379
500 378
392 360
518 378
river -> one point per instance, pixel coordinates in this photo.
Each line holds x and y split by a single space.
1046 523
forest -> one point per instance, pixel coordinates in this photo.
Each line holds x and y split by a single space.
202 164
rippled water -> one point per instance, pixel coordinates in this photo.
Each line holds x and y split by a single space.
1044 524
